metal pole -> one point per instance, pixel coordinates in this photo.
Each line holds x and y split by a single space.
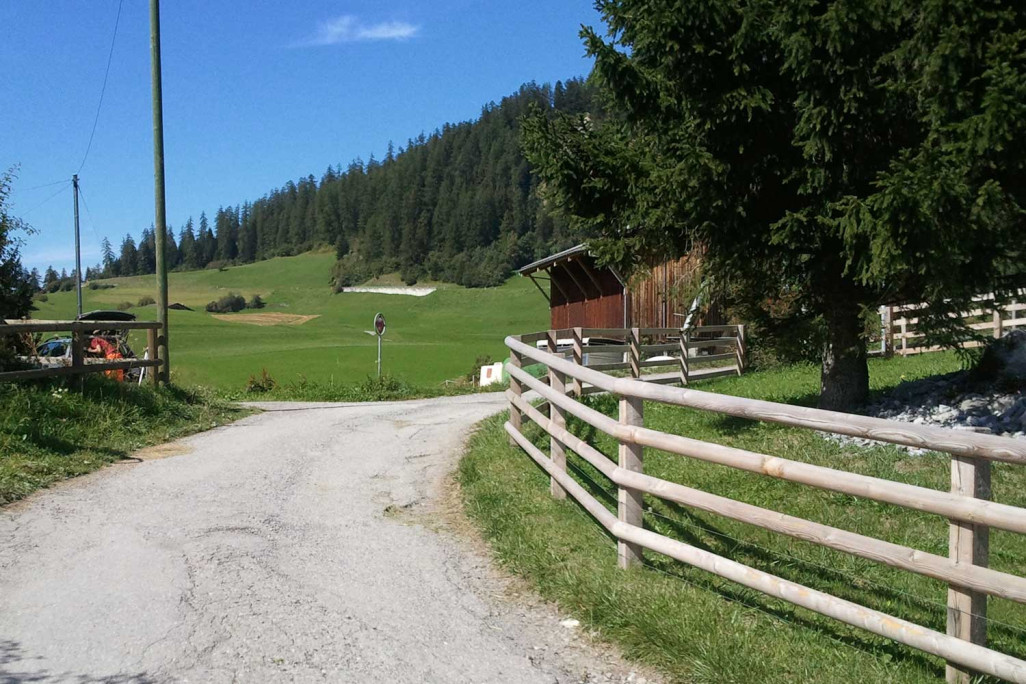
160 227
78 249
379 356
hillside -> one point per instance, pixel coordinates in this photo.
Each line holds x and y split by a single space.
460 205
429 339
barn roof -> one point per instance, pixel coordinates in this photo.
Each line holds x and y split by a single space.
552 260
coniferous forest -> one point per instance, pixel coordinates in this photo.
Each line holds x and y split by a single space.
460 205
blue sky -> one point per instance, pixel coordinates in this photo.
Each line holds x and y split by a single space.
255 93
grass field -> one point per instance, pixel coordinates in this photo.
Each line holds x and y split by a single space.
699 628
429 339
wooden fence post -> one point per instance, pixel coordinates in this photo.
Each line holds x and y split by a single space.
515 417
998 324
557 381
685 341
578 359
968 544
904 333
740 347
630 502
888 330
634 354
77 360
151 348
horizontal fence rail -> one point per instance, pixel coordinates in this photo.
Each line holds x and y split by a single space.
966 506
79 364
902 336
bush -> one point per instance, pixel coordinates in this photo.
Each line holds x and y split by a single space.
230 303
99 285
124 306
145 300
264 383
256 302
67 285
42 297
217 265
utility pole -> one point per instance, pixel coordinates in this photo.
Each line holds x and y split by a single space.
78 249
160 225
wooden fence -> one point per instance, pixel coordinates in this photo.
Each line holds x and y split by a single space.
702 352
79 363
967 506
901 335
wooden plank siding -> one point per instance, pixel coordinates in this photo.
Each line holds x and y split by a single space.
578 300
581 294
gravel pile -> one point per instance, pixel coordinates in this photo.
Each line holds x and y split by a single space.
950 401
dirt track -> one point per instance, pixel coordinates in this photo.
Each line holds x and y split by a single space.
308 543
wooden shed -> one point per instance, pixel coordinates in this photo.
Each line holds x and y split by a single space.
582 294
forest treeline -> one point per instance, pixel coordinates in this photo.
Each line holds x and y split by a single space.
460 205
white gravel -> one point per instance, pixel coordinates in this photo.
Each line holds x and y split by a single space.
950 401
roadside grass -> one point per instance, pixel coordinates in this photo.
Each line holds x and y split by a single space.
48 433
697 627
385 388
429 339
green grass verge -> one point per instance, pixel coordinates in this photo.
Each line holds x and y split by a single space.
429 339
48 433
697 627
385 388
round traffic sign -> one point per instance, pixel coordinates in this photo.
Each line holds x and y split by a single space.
379 324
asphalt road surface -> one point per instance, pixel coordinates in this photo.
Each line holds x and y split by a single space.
306 543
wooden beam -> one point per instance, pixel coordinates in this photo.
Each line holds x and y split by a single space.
588 272
545 294
582 288
559 287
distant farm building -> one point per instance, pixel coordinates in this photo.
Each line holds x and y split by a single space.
583 294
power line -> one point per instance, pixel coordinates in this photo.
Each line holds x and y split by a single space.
44 185
103 89
92 221
59 191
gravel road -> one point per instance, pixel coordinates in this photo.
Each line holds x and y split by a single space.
311 542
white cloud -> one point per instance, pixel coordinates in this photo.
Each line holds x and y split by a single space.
349 29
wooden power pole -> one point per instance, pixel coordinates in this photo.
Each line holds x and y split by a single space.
160 227
78 249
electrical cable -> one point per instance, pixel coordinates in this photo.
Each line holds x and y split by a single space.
59 191
103 89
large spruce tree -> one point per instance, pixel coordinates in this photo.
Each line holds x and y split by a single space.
827 156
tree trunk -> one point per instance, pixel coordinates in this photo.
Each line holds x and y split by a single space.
844 381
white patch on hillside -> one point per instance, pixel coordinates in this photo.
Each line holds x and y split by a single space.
412 291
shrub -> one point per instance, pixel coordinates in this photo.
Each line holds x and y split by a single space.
42 297
230 303
124 306
99 285
67 285
217 265
256 302
145 300
263 383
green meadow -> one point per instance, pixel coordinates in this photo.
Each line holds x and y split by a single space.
429 339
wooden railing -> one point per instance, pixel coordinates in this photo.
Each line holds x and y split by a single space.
967 506
79 363
902 335
702 352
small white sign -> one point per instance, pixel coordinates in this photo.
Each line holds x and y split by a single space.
491 374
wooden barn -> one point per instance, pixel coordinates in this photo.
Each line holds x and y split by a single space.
582 294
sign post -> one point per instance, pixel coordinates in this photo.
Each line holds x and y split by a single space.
379 330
